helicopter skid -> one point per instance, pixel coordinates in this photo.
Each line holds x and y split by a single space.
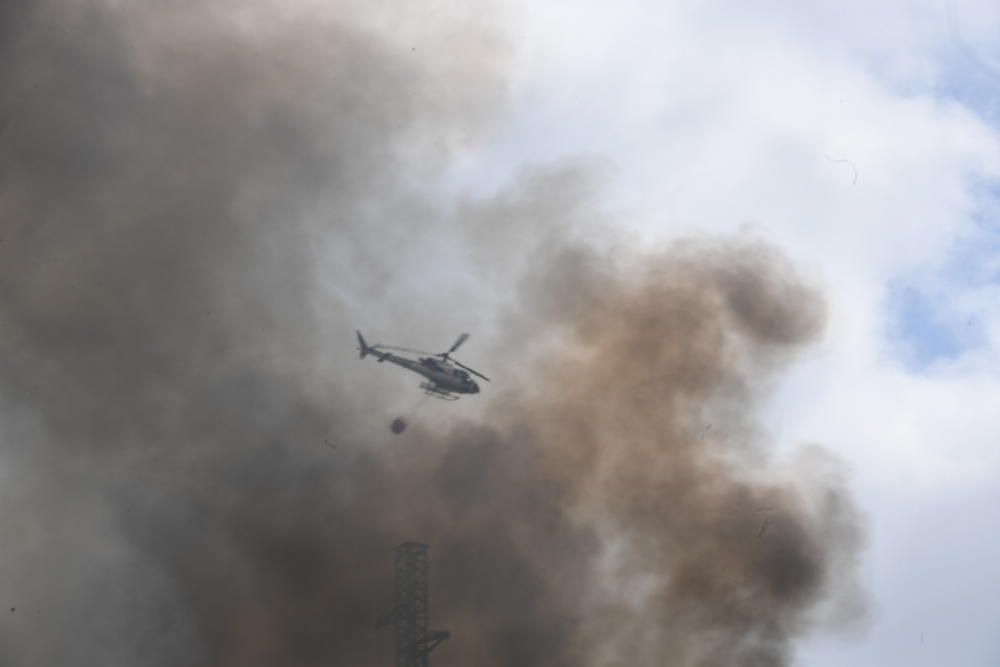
437 392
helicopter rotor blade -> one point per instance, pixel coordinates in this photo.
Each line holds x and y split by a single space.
473 371
458 343
402 349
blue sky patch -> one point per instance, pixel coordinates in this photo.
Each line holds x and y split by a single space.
921 332
926 323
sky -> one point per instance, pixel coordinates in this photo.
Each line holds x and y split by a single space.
740 117
200 203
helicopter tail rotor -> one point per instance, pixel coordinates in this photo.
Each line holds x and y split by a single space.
362 345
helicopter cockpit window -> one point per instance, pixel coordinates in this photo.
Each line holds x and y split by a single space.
462 374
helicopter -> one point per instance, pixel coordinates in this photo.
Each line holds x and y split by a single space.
446 377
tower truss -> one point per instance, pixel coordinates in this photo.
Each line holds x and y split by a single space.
410 608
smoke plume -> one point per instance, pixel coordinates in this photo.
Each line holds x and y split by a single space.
199 202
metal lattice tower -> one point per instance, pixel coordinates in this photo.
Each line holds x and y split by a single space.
411 608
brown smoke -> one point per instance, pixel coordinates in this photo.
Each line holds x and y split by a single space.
199 202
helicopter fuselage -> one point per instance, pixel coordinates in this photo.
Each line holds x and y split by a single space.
441 374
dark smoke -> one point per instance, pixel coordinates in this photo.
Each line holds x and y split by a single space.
199 203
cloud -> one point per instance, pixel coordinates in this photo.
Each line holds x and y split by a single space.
717 119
